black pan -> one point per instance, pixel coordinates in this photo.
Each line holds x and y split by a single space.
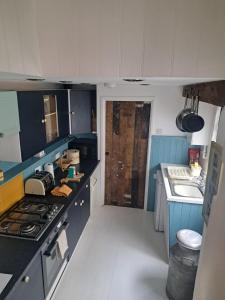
192 122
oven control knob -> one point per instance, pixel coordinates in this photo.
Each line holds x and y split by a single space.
49 216
55 207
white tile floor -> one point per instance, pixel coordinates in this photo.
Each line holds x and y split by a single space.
119 257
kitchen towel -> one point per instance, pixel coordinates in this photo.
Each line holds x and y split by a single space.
62 191
62 243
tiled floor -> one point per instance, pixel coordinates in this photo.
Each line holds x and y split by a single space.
119 257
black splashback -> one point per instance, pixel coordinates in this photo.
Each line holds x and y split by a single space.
88 147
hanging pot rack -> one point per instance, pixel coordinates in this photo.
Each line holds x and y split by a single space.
209 92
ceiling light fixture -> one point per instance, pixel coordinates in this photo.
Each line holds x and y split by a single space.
133 79
35 79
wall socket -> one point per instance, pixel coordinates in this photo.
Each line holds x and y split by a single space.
57 156
39 168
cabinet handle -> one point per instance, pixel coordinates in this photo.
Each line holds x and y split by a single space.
26 279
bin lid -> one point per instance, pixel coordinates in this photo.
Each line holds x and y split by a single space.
189 239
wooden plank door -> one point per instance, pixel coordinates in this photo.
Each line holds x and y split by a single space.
127 131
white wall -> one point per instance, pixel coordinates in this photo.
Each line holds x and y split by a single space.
211 271
10 148
168 102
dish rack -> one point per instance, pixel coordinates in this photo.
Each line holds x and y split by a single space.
182 173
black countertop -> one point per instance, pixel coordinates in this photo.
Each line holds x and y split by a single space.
17 254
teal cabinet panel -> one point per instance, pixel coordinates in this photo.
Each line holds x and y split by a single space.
183 216
9 114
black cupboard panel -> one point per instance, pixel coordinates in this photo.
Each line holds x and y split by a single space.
31 284
31 113
78 215
81 104
63 113
33 120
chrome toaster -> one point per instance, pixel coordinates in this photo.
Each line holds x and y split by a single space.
39 184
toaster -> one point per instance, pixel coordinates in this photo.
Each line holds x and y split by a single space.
39 184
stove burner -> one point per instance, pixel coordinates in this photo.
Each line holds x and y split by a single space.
25 206
41 208
5 225
27 228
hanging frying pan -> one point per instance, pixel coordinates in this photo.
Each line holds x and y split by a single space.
192 122
188 119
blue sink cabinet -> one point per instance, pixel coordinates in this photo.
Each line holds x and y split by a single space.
182 216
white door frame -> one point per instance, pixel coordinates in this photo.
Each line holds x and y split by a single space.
101 142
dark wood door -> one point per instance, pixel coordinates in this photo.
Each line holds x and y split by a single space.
127 131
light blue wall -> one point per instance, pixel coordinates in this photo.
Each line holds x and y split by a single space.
165 149
6 165
184 216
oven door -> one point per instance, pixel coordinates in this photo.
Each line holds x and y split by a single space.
53 263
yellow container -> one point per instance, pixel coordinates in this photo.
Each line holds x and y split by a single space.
11 192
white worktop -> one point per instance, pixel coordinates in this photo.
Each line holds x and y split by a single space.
170 196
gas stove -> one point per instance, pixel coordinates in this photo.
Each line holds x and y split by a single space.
28 219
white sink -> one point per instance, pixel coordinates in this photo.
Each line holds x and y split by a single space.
187 191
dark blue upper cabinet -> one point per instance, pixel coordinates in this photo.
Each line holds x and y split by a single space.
44 119
32 127
83 108
63 113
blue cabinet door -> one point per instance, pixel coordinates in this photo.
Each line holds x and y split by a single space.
9 115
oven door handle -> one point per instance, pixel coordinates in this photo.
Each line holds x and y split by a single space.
49 251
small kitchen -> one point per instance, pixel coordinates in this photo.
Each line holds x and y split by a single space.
112 150
50 182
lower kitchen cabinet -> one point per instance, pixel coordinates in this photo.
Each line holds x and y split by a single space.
78 215
31 284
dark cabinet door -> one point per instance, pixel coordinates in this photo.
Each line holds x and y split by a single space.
81 110
31 284
74 230
42 123
78 215
85 204
31 113
63 113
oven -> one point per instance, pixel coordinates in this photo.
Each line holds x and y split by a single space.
55 256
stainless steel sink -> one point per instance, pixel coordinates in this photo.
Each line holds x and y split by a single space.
183 188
